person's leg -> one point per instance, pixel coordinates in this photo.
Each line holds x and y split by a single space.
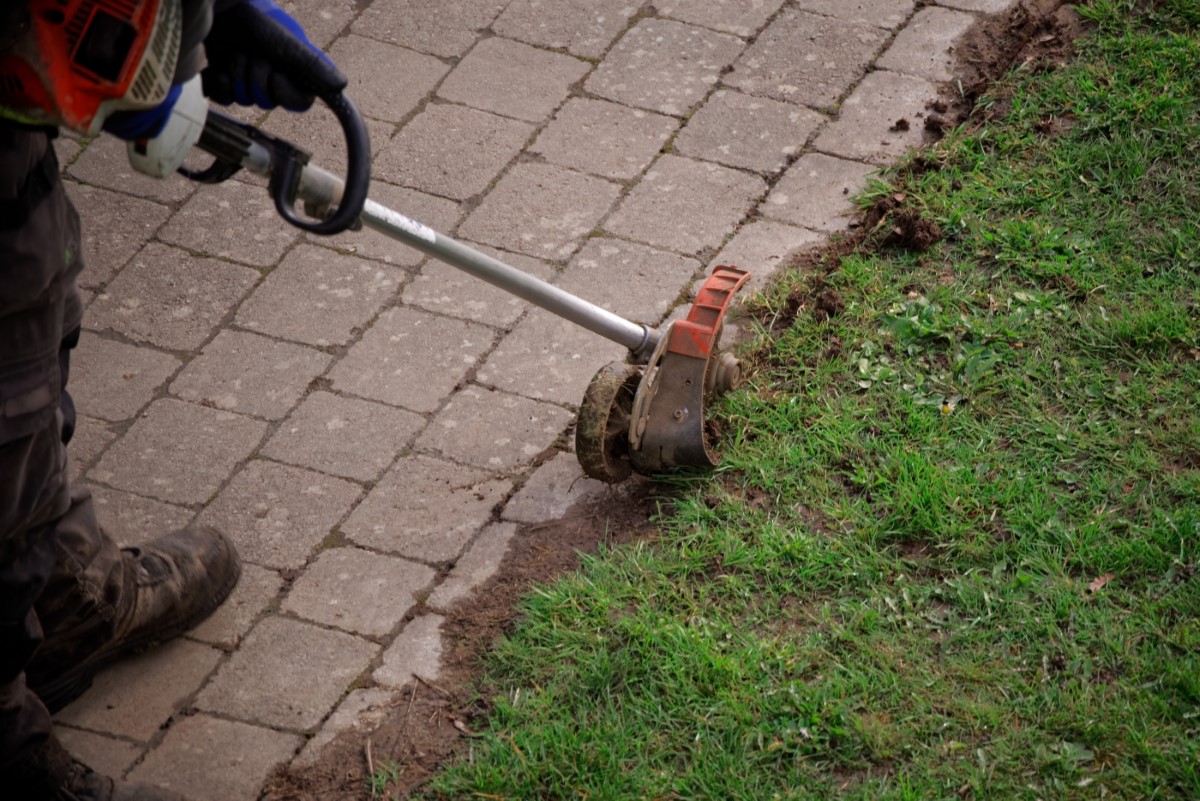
102 602
57 568
33 488
99 602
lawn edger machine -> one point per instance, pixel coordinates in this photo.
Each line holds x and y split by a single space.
645 415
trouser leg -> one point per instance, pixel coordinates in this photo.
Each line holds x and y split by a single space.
80 601
40 314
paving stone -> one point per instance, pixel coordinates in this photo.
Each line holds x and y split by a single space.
754 133
343 436
66 150
582 27
552 490
319 132
411 358
132 520
137 695
818 192
115 226
373 66
983 6
603 138
637 282
426 509
448 290
169 298
436 212
869 125
250 374
686 205
444 28
451 151
664 66
106 755
339 294
259 682
105 162
322 20
547 358
762 247
209 759
205 445
91 437
277 515
358 591
477 565
540 210
925 47
416 652
882 13
112 380
743 17
493 429
362 711
513 79
256 590
806 58
233 220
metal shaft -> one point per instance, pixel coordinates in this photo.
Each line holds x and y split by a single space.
321 189
634 336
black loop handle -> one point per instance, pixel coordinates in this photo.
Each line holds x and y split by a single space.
285 175
310 72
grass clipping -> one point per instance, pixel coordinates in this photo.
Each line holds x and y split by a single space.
952 551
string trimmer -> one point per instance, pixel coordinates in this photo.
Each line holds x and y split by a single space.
646 415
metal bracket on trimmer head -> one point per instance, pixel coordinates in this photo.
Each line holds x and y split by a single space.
667 423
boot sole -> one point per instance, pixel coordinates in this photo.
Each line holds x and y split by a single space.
61 691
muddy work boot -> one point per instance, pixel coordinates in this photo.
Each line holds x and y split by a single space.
49 773
141 597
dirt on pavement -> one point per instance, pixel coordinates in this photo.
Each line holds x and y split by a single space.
429 721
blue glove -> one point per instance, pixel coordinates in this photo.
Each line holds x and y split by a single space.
258 55
146 124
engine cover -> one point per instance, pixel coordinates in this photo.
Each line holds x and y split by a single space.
74 62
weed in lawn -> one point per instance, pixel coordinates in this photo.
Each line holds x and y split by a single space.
386 774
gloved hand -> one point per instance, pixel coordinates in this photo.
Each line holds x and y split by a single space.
145 124
258 55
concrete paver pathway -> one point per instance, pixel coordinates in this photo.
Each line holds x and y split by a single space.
372 427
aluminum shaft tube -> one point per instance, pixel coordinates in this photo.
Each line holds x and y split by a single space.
636 337
320 189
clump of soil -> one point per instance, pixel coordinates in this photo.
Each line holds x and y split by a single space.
829 304
1037 31
1040 33
911 231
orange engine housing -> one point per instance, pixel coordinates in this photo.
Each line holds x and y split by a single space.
74 62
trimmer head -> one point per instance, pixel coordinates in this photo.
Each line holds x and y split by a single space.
652 419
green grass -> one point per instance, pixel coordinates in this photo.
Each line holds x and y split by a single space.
384 779
952 549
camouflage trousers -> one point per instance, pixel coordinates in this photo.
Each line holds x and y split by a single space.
59 574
